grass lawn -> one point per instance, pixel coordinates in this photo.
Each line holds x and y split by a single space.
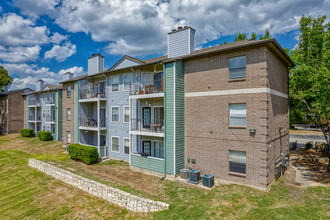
28 193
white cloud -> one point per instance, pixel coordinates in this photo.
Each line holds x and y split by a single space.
19 54
140 27
34 9
27 75
17 31
57 38
60 53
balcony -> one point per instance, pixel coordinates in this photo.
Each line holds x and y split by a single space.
32 118
50 119
148 127
92 93
90 123
50 101
148 88
34 102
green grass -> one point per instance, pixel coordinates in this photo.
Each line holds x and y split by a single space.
28 193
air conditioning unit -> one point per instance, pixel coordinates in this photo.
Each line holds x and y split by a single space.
194 176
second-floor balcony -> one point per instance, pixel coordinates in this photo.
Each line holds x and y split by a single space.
92 92
153 127
50 118
147 87
91 122
33 118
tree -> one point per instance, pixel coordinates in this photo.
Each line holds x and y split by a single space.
240 37
5 79
310 79
266 36
254 36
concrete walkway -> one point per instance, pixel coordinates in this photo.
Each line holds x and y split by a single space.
303 176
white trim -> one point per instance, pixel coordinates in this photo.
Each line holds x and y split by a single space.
131 80
146 133
118 114
189 49
174 130
145 96
129 148
237 92
129 117
118 144
139 155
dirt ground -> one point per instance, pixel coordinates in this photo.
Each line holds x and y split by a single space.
315 161
305 132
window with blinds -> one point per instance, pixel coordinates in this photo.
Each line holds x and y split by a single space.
237 161
237 115
237 67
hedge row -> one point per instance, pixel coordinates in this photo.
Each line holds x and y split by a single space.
27 132
84 153
45 135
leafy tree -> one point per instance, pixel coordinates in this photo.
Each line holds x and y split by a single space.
5 79
310 79
240 37
266 36
254 36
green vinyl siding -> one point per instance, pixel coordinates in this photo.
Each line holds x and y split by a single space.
148 163
27 112
58 115
179 113
76 112
169 117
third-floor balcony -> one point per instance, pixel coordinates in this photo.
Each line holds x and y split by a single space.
151 87
91 123
34 102
50 118
50 101
149 127
92 93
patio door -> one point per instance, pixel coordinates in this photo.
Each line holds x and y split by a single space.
146 117
146 147
102 117
102 89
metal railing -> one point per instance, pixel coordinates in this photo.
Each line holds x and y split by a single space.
50 100
148 125
89 93
91 122
147 87
50 118
34 102
32 117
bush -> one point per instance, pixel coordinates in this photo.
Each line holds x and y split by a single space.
27 132
84 153
309 145
45 135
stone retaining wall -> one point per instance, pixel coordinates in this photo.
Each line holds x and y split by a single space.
123 199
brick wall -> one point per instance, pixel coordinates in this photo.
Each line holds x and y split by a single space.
68 102
207 133
15 111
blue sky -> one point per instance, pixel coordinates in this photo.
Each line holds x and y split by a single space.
43 39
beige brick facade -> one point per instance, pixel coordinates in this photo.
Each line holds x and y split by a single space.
208 137
68 102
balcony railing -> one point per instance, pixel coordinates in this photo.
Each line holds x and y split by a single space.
147 87
50 101
148 125
91 122
89 93
34 102
31 117
50 119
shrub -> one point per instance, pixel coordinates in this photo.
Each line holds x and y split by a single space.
26 132
309 145
45 135
84 153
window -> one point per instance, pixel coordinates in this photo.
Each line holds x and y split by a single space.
126 114
68 114
159 116
237 161
146 147
237 67
68 136
115 144
237 115
69 91
115 83
115 114
126 145
158 149
127 82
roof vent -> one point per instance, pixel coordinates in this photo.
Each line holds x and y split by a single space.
179 28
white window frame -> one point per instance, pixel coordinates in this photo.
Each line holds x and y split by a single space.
230 125
153 113
67 118
154 146
129 117
130 76
118 144
237 78
118 83
118 114
129 143
67 139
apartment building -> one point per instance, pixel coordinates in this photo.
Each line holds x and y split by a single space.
44 109
12 110
222 110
